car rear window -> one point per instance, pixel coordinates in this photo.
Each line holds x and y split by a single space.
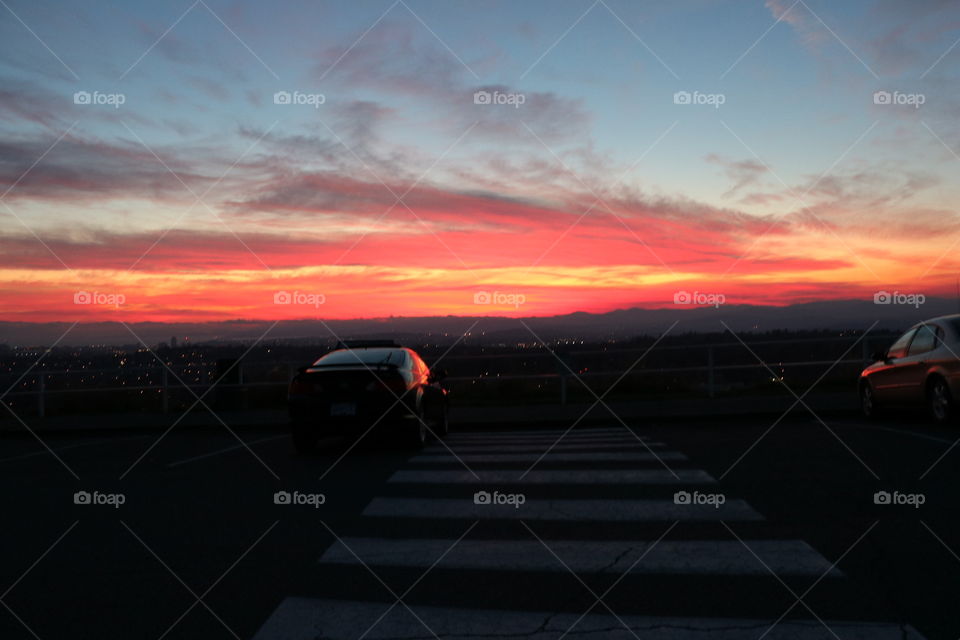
365 356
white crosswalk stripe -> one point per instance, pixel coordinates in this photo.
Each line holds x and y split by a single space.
573 436
542 448
543 445
690 557
599 456
309 619
564 476
600 461
563 510
567 433
570 437
544 442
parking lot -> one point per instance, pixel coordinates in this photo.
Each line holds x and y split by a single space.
702 528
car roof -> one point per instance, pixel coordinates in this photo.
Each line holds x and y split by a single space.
952 316
360 360
951 322
365 344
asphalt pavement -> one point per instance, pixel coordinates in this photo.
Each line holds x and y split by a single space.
728 528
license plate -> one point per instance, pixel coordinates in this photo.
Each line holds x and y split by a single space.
343 409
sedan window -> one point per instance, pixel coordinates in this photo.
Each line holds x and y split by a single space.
419 367
899 348
925 340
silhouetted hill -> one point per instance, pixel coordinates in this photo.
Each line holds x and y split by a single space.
620 324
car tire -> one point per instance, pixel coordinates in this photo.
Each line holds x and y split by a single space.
416 435
304 439
940 403
868 402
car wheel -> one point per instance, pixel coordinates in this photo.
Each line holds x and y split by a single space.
304 439
868 401
417 435
939 401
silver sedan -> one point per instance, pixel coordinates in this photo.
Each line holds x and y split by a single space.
920 369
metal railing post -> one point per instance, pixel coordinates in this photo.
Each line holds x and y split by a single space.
710 380
245 401
165 392
41 395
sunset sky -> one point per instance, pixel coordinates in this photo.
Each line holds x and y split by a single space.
590 186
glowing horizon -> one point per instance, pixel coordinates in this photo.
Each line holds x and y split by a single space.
404 160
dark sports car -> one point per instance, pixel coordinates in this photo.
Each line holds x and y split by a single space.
365 386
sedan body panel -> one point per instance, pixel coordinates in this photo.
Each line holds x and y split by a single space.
905 373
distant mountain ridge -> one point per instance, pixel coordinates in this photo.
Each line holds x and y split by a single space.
619 324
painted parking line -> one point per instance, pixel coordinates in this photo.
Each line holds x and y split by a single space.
904 432
69 447
218 452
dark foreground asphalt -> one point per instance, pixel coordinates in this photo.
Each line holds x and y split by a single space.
788 543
